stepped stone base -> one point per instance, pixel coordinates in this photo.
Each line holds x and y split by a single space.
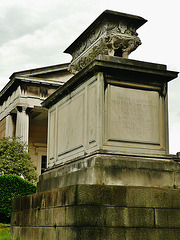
98 212
113 169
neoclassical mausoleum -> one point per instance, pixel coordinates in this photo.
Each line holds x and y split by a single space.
21 113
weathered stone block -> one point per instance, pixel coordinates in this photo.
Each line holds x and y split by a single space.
15 218
85 216
26 202
175 198
28 233
61 233
37 200
38 233
142 234
15 233
139 217
114 196
95 233
89 194
177 179
88 233
99 233
16 204
152 197
98 195
49 198
28 220
66 196
169 218
116 233
33 217
49 217
21 220
59 216
25 217
115 216
48 233
32 233
40 217
152 234
129 217
71 233
169 234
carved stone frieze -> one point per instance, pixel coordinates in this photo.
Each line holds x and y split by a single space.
112 44
111 34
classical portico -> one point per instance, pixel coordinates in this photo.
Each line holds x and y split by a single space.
21 113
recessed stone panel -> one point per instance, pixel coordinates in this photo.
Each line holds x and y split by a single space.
132 115
52 134
70 125
92 113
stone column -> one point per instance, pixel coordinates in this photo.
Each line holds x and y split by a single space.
22 124
9 126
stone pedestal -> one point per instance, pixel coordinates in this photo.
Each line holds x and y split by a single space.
114 105
104 169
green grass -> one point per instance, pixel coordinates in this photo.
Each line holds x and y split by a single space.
5 232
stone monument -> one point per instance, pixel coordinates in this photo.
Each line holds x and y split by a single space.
109 174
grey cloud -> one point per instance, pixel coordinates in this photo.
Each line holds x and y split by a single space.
18 21
15 23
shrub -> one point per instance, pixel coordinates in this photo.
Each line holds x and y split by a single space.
14 159
12 186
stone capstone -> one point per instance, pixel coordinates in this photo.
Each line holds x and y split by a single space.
112 33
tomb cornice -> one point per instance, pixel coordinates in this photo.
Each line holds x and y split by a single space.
129 70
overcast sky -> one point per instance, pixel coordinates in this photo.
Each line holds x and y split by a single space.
34 33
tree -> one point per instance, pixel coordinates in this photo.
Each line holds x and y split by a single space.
15 159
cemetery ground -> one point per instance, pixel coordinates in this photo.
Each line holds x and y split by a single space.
5 231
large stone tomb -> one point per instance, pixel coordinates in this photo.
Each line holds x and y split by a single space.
108 125
109 174
121 108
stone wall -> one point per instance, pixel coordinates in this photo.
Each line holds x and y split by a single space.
98 212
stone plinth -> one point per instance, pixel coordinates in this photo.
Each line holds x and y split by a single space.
103 169
95 212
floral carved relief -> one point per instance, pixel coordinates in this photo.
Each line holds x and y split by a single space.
113 40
